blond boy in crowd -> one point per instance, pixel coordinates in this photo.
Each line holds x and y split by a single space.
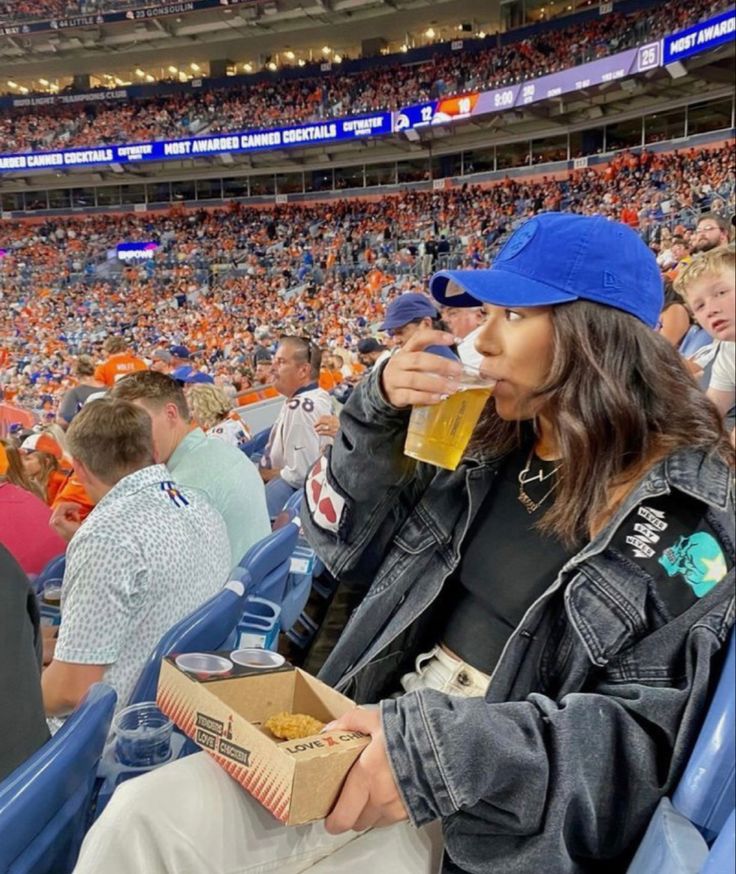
708 284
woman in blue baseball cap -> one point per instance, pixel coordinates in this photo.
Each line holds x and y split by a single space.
558 604
541 627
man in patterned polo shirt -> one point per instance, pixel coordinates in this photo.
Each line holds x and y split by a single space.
147 555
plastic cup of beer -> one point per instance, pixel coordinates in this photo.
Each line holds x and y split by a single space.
439 434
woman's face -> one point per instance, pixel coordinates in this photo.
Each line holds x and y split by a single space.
31 464
516 345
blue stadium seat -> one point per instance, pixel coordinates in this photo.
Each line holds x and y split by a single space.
53 570
268 563
702 807
44 804
722 857
671 844
208 628
706 791
293 505
257 444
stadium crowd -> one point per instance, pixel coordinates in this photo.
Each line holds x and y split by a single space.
276 101
325 269
41 10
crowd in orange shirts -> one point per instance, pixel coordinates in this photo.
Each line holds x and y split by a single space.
323 270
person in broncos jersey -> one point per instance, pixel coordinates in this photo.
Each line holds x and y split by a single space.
294 444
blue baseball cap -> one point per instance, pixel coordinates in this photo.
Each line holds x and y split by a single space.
558 258
180 352
407 307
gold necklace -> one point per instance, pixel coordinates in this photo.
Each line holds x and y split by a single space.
529 505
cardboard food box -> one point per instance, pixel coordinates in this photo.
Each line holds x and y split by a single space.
297 780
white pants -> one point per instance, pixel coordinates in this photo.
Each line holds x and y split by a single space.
190 817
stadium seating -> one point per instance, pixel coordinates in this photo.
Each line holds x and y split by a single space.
722 857
54 570
706 794
44 804
702 807
208 628
267 563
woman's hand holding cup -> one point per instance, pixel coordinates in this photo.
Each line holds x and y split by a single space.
414 377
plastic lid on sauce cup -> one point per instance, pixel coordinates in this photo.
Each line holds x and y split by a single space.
203 663
254 657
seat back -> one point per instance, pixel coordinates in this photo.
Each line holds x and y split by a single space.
293 505
257 443
268 562
705 794
45 802
721 859
53 570
206 629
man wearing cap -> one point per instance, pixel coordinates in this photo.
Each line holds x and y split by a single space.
371 352
465 324
225 474
407 314
180 357
162 361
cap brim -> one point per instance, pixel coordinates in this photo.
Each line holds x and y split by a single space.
469 288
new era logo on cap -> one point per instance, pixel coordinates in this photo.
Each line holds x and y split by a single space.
518 242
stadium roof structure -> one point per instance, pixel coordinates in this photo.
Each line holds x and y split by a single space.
664 87
228 28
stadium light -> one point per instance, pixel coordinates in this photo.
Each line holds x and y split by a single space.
302 62
172 69
44 82
337 59
290 55
248 68
326 50
140 74
404 48
149 78
12 84
429 33
271 66
482 34
195 67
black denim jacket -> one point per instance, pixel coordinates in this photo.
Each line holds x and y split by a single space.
596 699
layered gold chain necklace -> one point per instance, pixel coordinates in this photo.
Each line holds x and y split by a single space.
540 476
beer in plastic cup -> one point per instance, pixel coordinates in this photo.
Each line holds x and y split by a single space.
439 434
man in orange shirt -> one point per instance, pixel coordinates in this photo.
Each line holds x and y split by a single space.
119 363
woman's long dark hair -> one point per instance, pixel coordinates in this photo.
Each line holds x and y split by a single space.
620 399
